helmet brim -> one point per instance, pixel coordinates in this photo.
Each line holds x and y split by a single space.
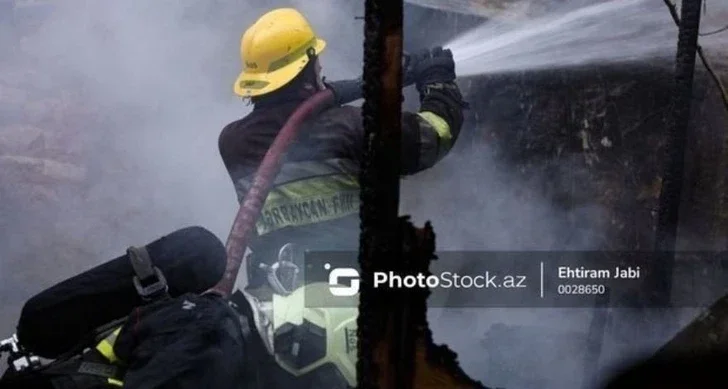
256 84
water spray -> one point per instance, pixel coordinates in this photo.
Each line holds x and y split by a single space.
609 32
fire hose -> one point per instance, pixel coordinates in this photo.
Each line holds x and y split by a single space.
243 226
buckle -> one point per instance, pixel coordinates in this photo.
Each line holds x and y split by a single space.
283 274
18 358
155 289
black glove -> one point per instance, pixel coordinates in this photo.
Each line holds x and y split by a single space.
346 91
430 66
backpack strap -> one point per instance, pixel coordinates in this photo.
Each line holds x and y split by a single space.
148 280
255 348
110 373
88 370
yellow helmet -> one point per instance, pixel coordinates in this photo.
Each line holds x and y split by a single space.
306 339
274 50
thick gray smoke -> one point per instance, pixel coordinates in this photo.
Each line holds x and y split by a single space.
487 208
161 74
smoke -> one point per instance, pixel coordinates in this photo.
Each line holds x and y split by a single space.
161 73
491 208
477 204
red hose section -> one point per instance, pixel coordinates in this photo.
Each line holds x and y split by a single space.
252 205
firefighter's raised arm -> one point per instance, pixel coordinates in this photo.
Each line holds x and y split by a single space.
429 134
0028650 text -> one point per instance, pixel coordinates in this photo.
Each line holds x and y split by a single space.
580 289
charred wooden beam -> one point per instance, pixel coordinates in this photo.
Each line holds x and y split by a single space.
395 346
379 245
708 332
403 354
672 183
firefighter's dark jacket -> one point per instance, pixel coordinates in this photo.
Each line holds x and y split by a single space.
316 194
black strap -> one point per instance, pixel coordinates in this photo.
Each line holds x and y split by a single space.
103 370
149 280
253 343
85 368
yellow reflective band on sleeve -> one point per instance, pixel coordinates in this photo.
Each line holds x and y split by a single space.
441 127
115 382
106 346
309 201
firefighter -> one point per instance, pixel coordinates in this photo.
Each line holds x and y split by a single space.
314 202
